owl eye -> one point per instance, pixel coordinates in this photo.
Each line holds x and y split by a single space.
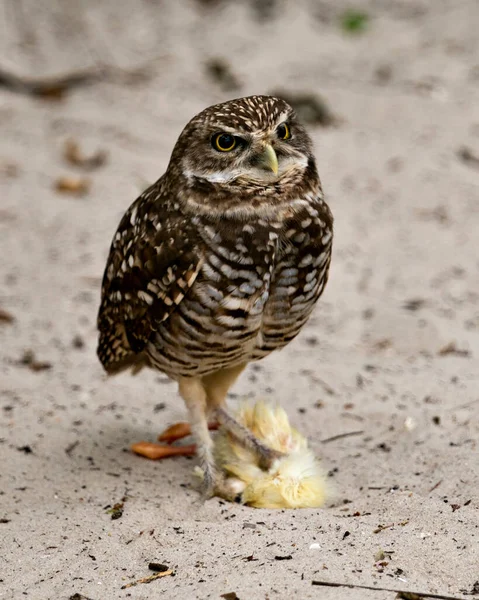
283 131
224 142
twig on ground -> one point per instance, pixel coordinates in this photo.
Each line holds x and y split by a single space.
69 449
148 579
341 436
434 487
401 593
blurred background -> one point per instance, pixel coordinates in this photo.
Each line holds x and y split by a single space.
93 95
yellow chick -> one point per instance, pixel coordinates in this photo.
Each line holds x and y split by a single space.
293 481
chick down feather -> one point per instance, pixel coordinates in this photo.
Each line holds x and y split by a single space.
292 481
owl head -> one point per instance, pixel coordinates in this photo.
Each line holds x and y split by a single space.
254 141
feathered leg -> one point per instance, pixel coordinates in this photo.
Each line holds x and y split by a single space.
193 393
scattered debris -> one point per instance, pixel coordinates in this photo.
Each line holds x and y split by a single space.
72 185
158 407
341 436
264 10
380 555
468 157
382 344
381 565
383 446
287 557
6 317
438 213
250 558
78 597
401 594
414 304
78 342
148 579
48 88
395 164
410 424
354 21
25 449
383 74
69 449
230 596
116 511
28 360
4 521
452 348
380 528
219 70
311 108
473 591
158 567
9 170
435 486
74 156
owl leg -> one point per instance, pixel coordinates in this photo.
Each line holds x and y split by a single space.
217 386
194 395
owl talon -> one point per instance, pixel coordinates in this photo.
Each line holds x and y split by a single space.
208 485
215 484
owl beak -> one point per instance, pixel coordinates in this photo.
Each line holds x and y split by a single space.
269 160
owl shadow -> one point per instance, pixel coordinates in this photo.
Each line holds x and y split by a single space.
104 451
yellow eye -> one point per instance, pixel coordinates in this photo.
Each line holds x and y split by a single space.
283 131
224 142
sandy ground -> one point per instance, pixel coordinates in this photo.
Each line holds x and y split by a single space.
390 354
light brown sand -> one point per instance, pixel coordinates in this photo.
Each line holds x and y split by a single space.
407 222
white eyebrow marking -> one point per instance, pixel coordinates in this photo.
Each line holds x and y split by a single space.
228 129
282 118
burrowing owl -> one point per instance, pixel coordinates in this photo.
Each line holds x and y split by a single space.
219 262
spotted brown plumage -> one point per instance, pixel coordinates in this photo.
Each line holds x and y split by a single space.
221 261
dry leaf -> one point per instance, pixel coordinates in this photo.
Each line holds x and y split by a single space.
452 348
74 156
6 317
72 185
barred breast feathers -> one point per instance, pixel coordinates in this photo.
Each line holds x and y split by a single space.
160 250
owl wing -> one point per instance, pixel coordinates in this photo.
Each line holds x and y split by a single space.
153 261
